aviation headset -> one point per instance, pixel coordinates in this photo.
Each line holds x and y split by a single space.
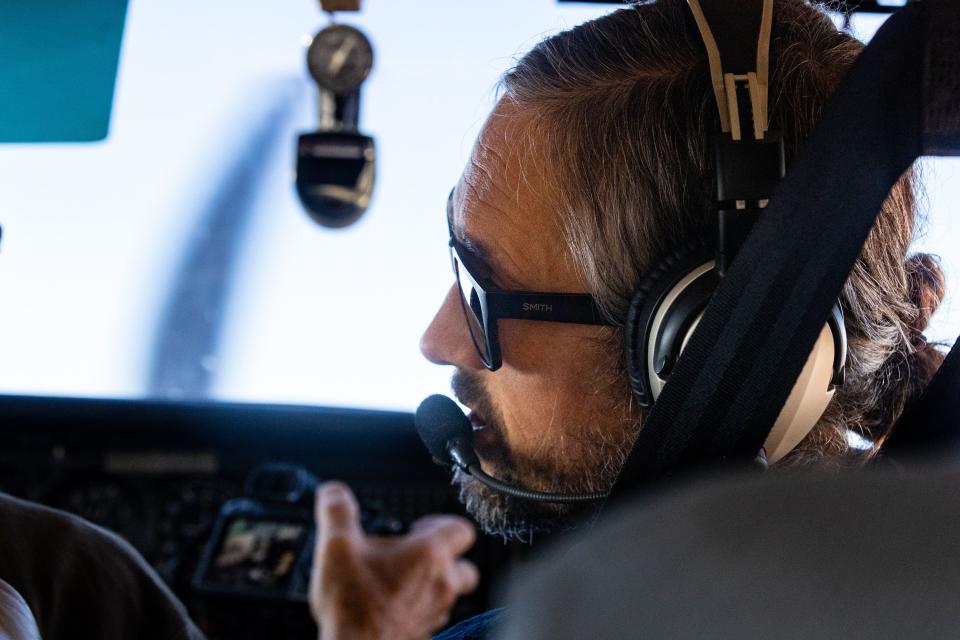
749 162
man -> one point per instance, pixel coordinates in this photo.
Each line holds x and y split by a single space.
595 161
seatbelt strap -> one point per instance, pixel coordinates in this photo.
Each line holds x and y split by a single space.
753 339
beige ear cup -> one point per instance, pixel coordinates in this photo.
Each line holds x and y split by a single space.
811 392
808 400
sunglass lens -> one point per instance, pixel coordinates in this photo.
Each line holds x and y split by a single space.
472 309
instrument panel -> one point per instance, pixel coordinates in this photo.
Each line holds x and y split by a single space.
158 473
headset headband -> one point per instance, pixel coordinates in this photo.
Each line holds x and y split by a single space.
749 163
736 65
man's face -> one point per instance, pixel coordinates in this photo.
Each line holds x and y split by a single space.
555 416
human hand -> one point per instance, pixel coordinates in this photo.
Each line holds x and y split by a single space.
369 587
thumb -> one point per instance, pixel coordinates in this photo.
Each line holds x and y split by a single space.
337 512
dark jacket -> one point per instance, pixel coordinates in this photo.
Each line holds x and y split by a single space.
81 581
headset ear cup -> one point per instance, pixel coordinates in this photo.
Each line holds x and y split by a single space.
812 392
635 348
648 297
664 310
808 400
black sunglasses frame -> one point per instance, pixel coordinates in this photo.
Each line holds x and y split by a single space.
496 304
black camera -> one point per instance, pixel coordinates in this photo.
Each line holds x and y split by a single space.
262 544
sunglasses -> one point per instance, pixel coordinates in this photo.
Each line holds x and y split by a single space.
484 304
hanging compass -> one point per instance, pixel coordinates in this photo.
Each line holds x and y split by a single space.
340 59
336 164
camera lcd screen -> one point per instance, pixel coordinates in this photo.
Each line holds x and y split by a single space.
257 555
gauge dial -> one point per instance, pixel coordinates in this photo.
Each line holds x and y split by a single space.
340 58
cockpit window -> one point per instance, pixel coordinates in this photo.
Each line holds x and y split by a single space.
173 259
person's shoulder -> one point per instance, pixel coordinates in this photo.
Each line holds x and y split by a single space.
25 518
51 539
72 572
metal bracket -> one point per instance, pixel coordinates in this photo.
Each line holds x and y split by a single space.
340 5
731 84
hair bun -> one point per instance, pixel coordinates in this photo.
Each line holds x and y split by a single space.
927 288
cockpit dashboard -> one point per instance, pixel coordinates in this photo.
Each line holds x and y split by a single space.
158 473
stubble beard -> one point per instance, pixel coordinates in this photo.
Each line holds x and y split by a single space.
589 465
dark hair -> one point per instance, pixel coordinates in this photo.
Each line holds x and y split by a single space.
623 109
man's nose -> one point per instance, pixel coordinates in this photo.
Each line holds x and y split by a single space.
447 340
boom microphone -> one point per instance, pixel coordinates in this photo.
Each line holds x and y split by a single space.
448 435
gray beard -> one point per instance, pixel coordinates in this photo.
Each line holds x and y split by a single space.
599 458
516 519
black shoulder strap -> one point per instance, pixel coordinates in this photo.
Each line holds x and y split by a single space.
739 366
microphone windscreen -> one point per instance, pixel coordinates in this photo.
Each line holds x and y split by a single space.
439 420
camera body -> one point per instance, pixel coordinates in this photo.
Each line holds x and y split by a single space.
261 546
